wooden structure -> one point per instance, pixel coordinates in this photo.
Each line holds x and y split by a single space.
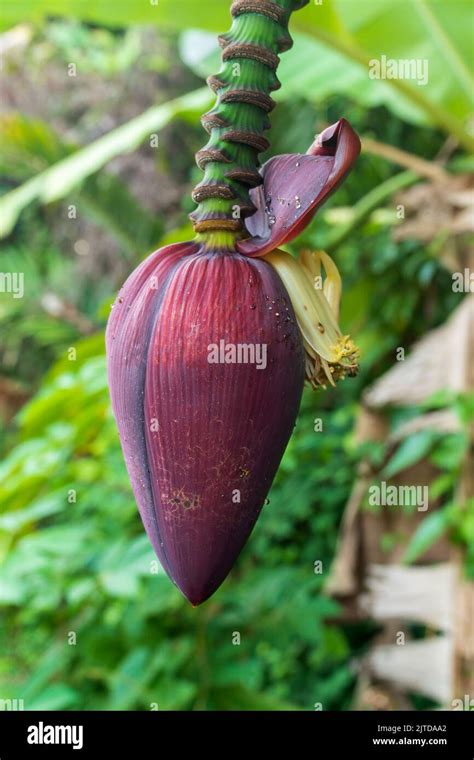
374 583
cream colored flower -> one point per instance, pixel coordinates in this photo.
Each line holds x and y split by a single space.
314 286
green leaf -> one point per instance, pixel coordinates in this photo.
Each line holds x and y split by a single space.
55 697
237 697
451 451
12 590
213 14
428 531
30 146
123 564
47 666
40 508
60 179
409 452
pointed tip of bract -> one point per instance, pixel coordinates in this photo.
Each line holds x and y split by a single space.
196 598
198 587
338 138
295 185
195 605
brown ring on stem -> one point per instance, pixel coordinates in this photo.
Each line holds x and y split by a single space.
210 225
211 154
264 8
258 142
249 177
201 192
252 97
253 53
212 121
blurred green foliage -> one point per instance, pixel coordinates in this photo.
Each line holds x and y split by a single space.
88 619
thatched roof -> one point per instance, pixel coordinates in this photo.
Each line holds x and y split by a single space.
442 359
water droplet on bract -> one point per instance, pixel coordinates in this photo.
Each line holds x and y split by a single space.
271 219
120 300
297 202
297 163
253 306
267 502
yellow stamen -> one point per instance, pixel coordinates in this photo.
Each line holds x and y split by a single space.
329 354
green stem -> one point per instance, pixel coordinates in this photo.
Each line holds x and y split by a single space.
369 203
240 117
